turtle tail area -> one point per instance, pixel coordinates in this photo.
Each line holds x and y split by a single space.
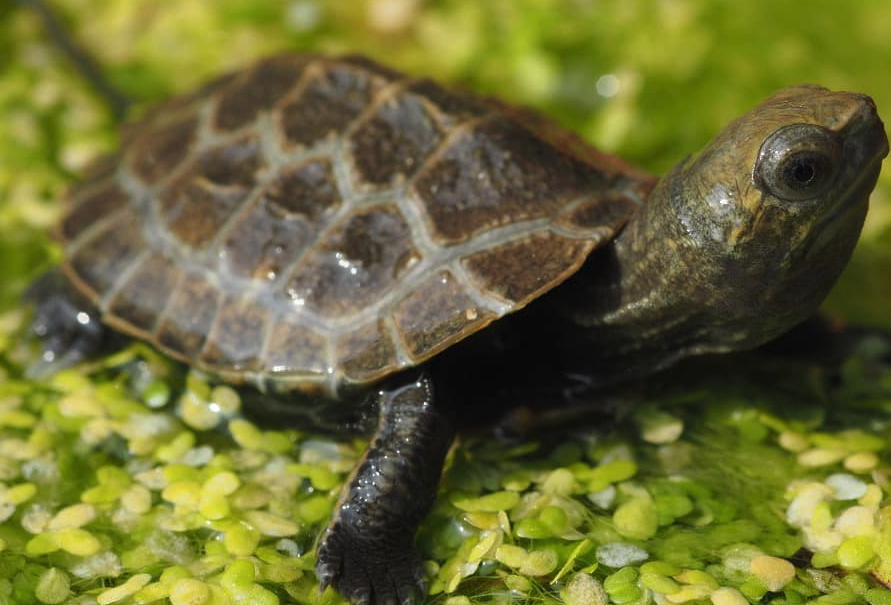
66 324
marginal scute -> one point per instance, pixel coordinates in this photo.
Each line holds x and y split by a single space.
140 299
354 265
370 66
236 339
296 349
496 174
177 107
436 314
159 151
393 142
451 108
599 216
100 169
91 205
188 317
523 269
257 90
106 252
366 353
327 104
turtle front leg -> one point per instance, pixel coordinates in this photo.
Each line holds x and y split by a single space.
366 552
67 325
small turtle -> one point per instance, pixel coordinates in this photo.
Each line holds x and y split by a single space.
333 227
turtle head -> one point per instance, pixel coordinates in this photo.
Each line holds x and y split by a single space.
774 206
738 243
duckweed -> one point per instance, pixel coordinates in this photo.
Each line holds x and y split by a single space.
224 483
727 596
878 596
512 556
773 572
489 503
241 540
611 472
269 524
53 586
228 492
76 541
636 519
659 583
856 552
583 589
845 486
696 576
861 462
620 554
137 499
123 591
686 594
660 427
539 563
189 591
515 583
198 413
20 493
622 586
183 493
213 506
821 457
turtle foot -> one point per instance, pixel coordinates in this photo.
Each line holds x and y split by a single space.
366 552
67 325
368 572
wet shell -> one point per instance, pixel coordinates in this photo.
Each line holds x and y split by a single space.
314 223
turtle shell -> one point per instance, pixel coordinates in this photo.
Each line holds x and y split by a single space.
315 223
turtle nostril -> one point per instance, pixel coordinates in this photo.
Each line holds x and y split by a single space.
868 101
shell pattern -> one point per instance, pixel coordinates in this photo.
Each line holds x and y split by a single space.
316 223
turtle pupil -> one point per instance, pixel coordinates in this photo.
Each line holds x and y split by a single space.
802 171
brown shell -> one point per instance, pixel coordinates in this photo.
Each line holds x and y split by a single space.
312 223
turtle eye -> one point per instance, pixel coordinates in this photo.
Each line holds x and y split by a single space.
797 162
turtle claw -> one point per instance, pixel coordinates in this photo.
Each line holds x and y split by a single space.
368 572
327 569
412 593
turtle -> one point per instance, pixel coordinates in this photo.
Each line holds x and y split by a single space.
330 229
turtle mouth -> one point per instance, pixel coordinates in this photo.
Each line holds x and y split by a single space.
858 193
866 147
855 198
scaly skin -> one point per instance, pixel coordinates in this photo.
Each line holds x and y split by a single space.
366 552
